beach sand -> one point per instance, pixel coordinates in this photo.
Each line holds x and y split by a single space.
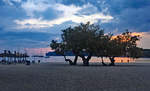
63 77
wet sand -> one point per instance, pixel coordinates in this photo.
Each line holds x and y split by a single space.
63 77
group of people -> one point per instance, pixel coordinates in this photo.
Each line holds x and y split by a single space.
27 62
33 62
12 62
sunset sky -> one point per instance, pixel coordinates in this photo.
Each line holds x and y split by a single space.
32 24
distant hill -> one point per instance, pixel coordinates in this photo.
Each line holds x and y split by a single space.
146 53
52 54
68 53
55 54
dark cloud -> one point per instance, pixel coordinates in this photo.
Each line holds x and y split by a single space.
2 3
117 6
134 18
25 39
128 14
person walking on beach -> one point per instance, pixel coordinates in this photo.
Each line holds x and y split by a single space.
128 60
27 62
38 61
121 61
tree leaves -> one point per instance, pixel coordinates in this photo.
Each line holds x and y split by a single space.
89 39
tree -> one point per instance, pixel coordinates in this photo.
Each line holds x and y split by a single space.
123 45
101 43
135 52
81 40
60 48
87 40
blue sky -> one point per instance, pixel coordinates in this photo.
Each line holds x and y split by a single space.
34 23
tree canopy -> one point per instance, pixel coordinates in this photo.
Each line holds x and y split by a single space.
87 40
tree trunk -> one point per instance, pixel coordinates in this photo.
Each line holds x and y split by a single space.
75 60
86 62
112 60
70 61
64 57
103 62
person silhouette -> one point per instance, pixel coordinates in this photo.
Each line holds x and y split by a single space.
38 61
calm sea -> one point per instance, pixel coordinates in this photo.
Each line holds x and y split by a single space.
94 59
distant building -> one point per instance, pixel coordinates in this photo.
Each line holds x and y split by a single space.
146 53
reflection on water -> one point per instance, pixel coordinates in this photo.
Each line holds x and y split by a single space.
93 59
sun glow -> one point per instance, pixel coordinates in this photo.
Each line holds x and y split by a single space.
38 51
125 39
117 60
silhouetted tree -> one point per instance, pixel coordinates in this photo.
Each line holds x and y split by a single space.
86 40
81 40
101 43
123 45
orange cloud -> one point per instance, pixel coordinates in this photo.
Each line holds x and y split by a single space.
133 34
38 51
137 33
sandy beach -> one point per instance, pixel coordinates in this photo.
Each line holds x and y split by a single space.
63 77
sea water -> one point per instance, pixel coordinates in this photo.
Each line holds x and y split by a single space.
93 59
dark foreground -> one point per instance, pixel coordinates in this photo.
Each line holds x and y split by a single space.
62 77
